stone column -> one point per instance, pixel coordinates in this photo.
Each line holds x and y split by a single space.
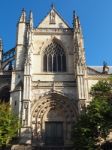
26 132
82 87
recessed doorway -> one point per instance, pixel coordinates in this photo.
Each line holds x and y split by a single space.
54 133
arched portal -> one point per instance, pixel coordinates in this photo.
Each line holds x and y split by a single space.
52 119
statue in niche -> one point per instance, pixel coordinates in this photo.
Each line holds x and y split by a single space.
52 17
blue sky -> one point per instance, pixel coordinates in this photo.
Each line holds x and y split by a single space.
95 17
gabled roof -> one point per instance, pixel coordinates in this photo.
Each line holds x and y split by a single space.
93 70
59 21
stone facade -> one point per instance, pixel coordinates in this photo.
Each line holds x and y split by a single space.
50 81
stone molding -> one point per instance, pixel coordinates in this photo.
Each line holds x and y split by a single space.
48 31
56 84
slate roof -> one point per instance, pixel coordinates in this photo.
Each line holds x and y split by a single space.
92 70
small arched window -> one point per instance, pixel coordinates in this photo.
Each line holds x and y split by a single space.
54 58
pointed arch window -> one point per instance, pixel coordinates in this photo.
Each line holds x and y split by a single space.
54 58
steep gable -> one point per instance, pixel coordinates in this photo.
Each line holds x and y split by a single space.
53 20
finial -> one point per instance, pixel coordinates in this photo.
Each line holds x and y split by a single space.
1 45
74 14
31 14
77 22
105 68
23 10
104 63
31 19
23 16
52 6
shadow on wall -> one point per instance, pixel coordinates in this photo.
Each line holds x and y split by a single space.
5 94
107 145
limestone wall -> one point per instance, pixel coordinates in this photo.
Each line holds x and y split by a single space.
40 42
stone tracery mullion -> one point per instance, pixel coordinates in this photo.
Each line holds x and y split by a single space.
55 50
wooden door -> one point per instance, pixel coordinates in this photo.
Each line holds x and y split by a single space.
54 133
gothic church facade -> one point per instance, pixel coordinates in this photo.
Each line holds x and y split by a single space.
47 79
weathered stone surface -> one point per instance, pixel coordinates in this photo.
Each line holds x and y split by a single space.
41 91
21 147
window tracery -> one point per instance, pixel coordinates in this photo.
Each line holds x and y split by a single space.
54 58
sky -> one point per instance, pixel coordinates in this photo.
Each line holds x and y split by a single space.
95 17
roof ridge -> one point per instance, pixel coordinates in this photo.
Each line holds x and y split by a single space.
93 70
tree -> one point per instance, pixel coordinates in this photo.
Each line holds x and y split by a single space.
94 125
9 124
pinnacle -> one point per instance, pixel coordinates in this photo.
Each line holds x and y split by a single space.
52 6
23 16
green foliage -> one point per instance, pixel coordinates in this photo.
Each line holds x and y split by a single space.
96 123
102 89
8 124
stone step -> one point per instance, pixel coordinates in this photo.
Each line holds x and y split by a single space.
53 148
29 147
21 147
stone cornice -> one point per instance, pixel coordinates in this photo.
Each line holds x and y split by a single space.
55 84
55 31
53 73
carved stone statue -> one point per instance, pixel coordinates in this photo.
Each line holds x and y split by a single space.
52 17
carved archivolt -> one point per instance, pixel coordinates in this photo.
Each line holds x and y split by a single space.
49 41
52 107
